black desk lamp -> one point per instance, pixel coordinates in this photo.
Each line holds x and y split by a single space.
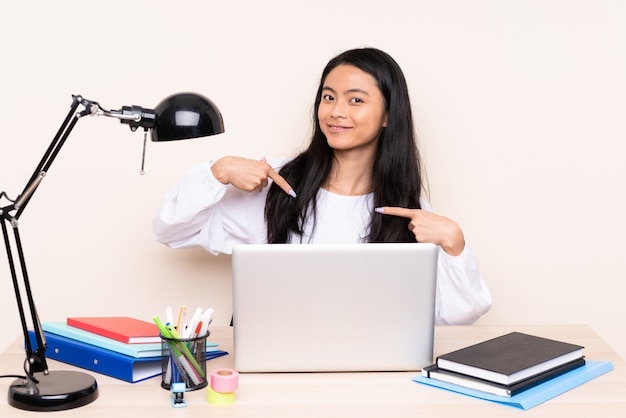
180 116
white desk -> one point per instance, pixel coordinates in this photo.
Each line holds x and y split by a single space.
324 395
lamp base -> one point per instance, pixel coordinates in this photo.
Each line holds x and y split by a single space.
56 391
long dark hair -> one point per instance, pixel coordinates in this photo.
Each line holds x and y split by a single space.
396 175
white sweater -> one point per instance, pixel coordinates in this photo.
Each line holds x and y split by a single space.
202 212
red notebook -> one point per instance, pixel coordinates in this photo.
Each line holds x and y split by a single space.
121 328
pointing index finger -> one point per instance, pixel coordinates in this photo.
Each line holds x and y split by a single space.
395 211
281 182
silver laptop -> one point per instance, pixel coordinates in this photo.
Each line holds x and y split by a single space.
333 307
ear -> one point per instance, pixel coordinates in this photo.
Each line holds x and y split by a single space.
385 120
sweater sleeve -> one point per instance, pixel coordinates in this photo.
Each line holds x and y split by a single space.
199 211
462 295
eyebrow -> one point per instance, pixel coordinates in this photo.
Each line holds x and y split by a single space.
355 90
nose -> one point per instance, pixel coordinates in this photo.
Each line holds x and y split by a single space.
338 110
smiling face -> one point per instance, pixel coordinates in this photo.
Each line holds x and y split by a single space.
352 110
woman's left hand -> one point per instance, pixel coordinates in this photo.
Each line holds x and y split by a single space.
430 227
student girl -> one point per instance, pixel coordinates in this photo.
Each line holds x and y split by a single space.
359 180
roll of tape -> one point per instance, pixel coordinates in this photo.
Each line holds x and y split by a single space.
224 380
219 398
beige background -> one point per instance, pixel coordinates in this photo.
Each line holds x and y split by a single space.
520 108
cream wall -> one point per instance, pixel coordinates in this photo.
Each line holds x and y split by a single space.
520 109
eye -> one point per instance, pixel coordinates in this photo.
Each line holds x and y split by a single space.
328 97
356 100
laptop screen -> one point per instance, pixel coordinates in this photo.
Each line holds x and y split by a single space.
333 307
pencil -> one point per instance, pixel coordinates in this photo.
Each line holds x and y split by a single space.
181 318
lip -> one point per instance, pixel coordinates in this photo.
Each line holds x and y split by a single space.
338 128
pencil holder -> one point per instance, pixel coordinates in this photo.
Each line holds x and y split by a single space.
184 360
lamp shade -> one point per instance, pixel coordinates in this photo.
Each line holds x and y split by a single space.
186 115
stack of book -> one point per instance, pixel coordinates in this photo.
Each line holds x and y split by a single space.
121 347
508 364
516 369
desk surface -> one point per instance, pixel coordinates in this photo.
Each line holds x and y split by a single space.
345 394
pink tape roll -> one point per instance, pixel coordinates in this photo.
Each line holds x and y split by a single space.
224 380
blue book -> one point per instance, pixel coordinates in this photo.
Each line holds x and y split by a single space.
100 360
535 395
133 350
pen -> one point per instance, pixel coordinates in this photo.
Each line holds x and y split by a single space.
206 320
173 351
192 324
164 331
197 348
169 316
198 329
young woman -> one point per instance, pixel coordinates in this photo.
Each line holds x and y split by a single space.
359 180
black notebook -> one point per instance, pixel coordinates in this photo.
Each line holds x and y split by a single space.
510 358
435 372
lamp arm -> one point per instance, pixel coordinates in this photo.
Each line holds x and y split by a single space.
35 359
134 116
48 158
20 306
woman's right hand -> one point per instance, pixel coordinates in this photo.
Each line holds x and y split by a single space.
248 175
